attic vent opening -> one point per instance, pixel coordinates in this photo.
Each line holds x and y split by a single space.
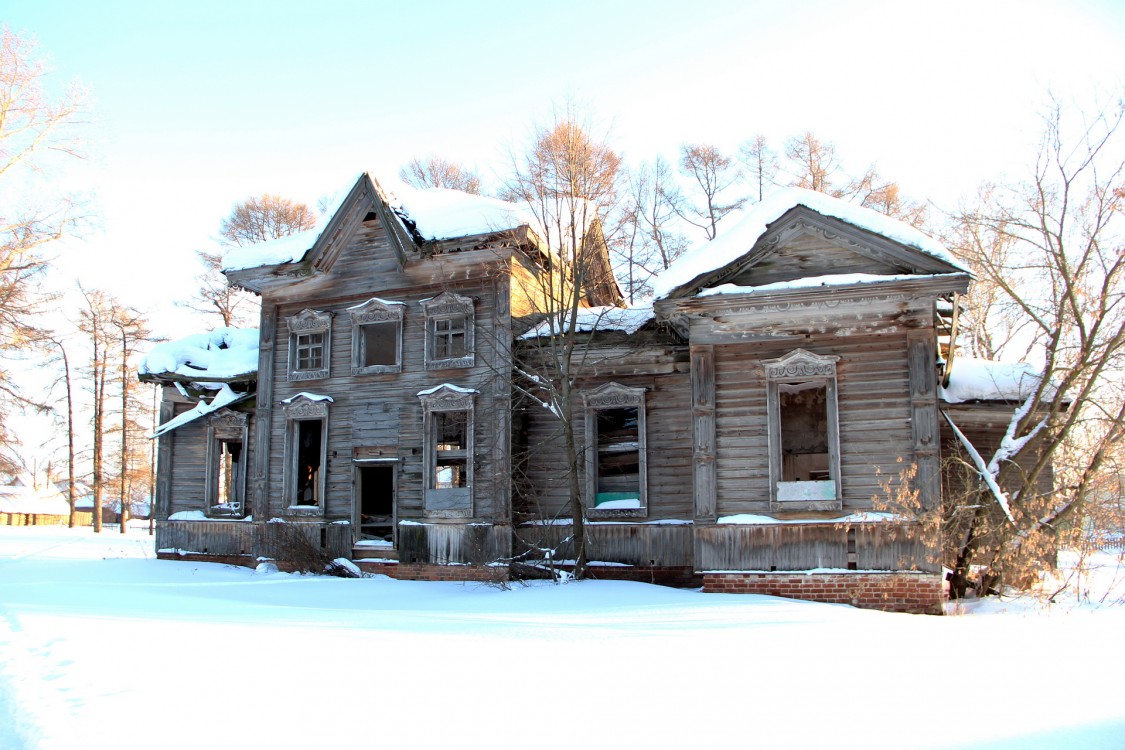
371 216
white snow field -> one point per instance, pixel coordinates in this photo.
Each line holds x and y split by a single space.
102 646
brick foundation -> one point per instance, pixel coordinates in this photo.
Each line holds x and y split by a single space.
682 577
918 593
246 561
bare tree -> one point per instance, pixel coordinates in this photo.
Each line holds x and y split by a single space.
94 322
31 127
648 242
761 164
61 356
1061 272
714 174
812 163
265 217
436 172
568 179
130 328
256 219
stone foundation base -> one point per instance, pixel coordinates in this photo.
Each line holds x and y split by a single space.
917 593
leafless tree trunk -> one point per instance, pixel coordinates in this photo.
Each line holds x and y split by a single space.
435 172
714 174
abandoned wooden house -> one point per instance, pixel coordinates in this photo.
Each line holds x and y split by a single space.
754 429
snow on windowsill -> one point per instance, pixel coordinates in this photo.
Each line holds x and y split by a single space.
199 515
309 396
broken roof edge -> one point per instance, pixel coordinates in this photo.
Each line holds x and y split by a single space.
707 258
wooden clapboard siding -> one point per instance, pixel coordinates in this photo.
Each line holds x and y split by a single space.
189 469
640 544
456 544
807 254
874 413
669 443
210 537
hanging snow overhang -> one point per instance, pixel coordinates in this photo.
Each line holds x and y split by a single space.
225 397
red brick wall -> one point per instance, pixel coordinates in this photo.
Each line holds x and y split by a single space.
890 592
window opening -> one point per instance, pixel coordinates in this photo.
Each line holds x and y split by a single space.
449 338
804 431
228 496
308 455
618 482
380 344
450 450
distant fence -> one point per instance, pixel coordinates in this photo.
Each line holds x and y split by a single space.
45 519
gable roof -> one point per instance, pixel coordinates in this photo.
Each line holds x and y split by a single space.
411 216
706 260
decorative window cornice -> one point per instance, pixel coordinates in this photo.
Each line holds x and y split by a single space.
376 310
447 303
447 397
303 407
613 394
310 320
801 364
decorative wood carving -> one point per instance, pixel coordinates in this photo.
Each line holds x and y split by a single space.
376 310
308 321
447 399
801 364
613 394
305 408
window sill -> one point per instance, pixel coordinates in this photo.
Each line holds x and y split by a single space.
451 364
595 513
307 374
377 370
304 510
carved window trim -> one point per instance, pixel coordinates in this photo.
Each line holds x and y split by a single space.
448 308
226 425
803 367
614 396
305 324
297 410
375 311
437 502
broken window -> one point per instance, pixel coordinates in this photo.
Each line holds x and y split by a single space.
309 339
376 337
226 464
375 501
449 332
615 453
306 453
803 430
448 427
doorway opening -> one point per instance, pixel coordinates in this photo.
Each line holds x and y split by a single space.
375 502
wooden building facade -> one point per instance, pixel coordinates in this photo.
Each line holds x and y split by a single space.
757 430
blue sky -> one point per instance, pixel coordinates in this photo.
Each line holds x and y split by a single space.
197 105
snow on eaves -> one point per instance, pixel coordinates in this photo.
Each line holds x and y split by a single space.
225 397
223 353
739 238
830 280
435 214
627 320
985 380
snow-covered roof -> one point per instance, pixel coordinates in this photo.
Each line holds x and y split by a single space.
738 239
831 280
984 380
24 497
628 320
223 353
225 397
437 213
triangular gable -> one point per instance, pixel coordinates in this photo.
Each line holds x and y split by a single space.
796 234
290 259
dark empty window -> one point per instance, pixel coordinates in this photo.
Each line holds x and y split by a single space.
380 344
376 490
308 455
228 496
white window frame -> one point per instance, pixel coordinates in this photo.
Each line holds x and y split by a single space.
447 308
308 323
614 396
803 367
375 311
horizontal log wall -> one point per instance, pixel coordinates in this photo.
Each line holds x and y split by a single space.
458 544
809 546
210 537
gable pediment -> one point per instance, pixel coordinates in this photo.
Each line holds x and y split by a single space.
804 243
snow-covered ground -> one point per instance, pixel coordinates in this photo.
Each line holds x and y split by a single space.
102 646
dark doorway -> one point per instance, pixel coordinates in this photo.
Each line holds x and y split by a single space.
375 497
309 456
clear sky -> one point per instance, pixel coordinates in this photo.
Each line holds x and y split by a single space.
197 105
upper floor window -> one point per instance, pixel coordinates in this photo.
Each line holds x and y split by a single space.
616 455
376 337
450 336
310 338
804 434
306 453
